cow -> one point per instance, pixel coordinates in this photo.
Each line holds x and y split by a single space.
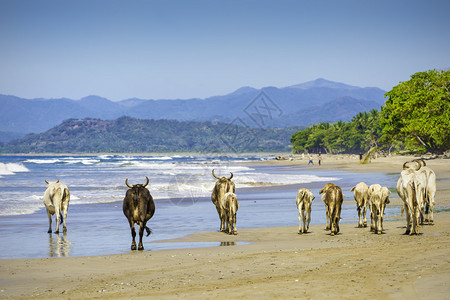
427 179
230 206
362 200
304 201
56 201
430 192
378 199
223 185
138 208
322 191
411 189
333 199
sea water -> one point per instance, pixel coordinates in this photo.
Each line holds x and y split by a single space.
181 186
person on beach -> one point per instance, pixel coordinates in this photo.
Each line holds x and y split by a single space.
320 159
360 155
310 160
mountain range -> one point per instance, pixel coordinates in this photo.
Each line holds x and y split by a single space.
303 104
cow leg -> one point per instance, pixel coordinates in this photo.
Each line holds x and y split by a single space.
64 220
58 219
431 219
141 234
327 211
133 235
408 220
364 212
379 229
372 218
359 217
234 224
309 219
49 222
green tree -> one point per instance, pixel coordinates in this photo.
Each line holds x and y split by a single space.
417 112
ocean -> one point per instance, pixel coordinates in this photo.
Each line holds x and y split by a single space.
181 186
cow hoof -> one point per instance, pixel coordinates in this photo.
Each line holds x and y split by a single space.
140 248
133 246
57 231
360 226
50 231
64 229
332 234
379 232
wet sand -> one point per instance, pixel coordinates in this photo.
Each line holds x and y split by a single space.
272 262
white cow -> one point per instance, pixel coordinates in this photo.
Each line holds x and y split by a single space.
56 201
430 192
378 199
304 201
360 192
411 188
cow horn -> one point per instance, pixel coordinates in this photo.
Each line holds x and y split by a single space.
57 180
128 185
404 165
214 175
46 181
145 184
423 162
229 178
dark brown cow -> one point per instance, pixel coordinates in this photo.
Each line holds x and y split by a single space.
223 185
333 199
138 207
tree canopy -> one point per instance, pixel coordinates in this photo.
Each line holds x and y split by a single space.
358 135
417 112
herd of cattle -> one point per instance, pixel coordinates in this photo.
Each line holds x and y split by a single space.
416 187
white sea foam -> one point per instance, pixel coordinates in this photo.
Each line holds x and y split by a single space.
42 161
12 168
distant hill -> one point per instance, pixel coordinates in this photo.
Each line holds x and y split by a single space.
132 135
296 105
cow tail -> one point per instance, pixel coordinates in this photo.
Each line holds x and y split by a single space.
149 231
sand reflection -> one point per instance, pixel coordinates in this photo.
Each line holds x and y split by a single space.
58 246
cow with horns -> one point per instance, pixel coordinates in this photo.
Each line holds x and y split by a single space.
138 208
223 185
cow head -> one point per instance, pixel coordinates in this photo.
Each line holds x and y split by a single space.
137 185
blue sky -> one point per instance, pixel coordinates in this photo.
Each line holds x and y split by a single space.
183 49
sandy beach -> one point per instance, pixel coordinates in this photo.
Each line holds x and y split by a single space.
267 263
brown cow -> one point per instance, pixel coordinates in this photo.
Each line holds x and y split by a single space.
333 199
223 185
322 191
138 208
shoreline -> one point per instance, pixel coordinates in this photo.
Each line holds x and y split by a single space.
278 262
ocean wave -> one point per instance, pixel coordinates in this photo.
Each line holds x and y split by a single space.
12 168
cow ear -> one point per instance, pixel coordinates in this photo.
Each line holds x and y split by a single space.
46 181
